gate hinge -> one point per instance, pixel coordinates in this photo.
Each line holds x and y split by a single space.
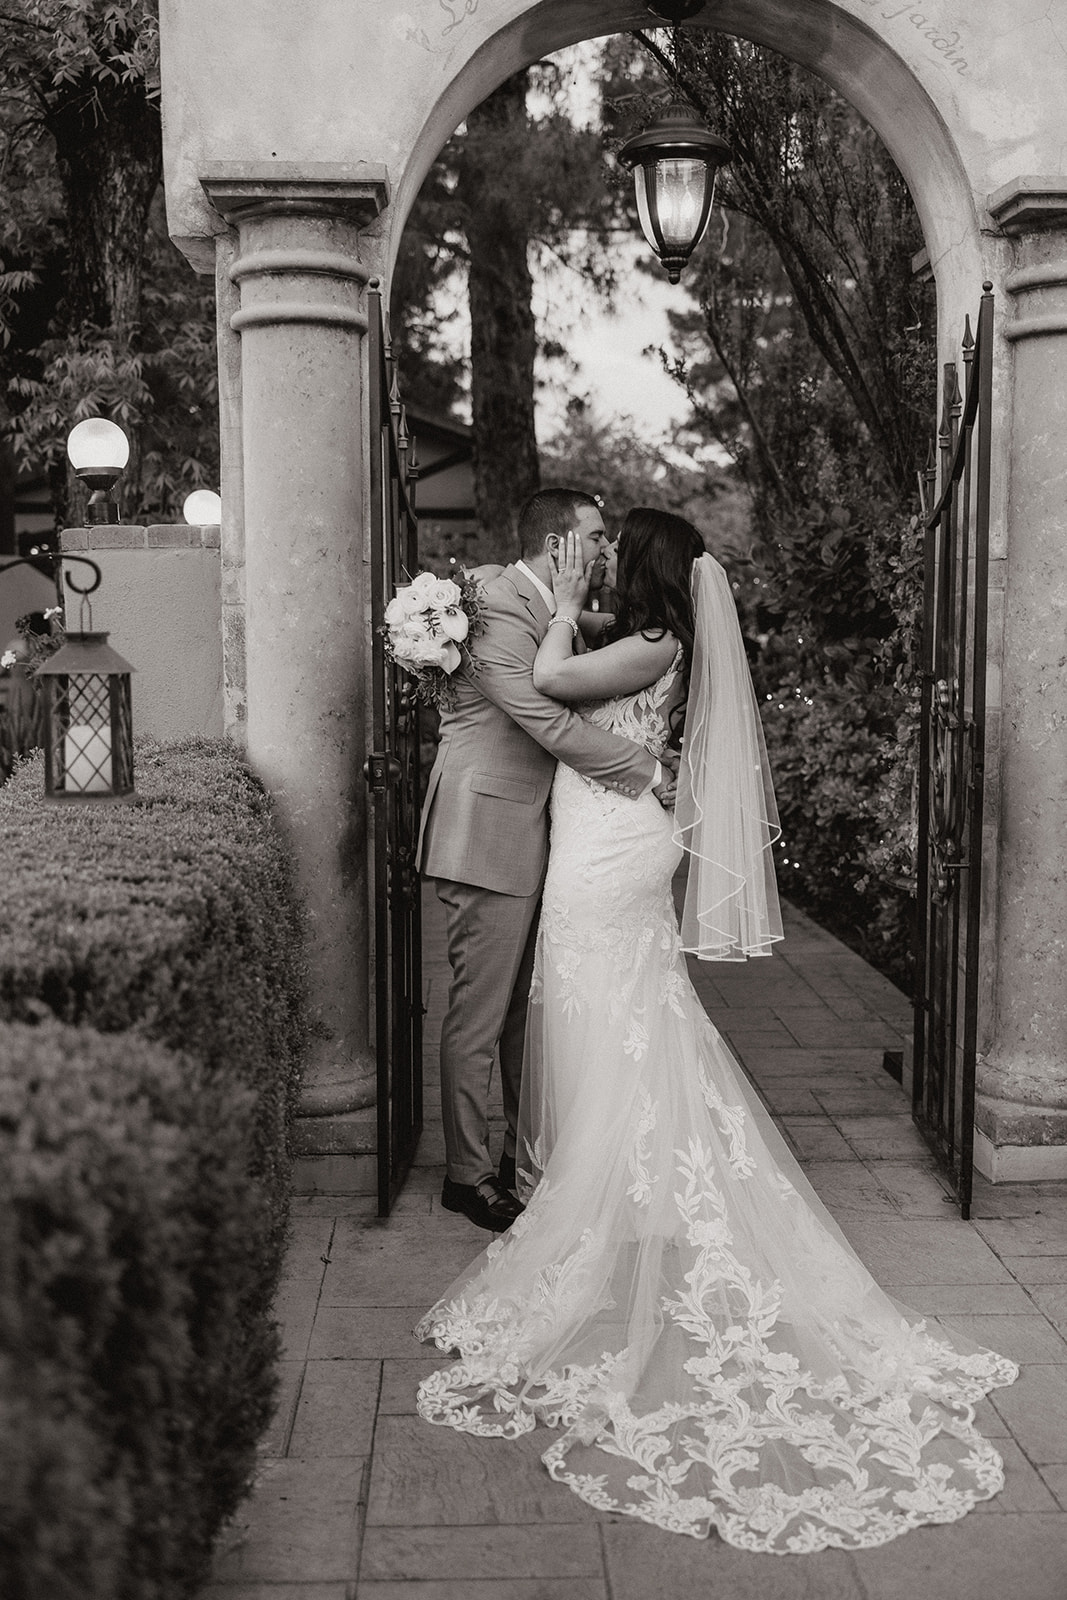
380 771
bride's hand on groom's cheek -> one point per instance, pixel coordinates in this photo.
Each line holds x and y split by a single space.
571 577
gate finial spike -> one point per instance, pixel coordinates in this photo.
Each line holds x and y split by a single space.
968 340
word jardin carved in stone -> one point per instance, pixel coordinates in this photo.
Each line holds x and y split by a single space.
946 43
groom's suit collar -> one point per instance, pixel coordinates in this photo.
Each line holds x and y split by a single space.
537 595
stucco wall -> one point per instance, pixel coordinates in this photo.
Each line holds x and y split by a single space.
159 599
358 80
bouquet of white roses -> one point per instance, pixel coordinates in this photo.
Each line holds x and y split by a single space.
428 628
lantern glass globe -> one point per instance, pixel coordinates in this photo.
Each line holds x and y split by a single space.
97 445
202 508
677 191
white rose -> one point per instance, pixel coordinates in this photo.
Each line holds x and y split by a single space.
444 594
413 628
403 652
422 585
407 640
453 623
432 653
395 612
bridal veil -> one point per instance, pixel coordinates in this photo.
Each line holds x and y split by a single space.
725 818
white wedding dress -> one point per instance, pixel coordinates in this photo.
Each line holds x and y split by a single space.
675 1298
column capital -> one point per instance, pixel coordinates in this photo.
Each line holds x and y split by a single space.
299 245
1032 212
1029 204
356 191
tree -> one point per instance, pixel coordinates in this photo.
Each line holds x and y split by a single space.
84 249
516 183
625 470
503 334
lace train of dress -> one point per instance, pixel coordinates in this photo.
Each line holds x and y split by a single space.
675 1297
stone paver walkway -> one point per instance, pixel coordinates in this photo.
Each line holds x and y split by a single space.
358 1500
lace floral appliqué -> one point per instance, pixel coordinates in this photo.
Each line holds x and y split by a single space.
674 1299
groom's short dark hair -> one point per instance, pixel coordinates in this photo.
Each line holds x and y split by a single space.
549 511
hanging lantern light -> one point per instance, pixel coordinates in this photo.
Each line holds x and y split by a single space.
675 163
98 451
88 721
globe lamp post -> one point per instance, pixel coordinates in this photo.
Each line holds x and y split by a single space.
202 508
98 451
675 163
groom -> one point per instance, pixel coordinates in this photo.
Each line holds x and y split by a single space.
484 840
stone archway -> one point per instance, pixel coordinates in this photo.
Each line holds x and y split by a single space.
292 180
820 35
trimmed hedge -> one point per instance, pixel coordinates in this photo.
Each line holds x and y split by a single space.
175 915
127 1267
151 1031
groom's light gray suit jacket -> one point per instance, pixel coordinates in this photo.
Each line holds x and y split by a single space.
485 819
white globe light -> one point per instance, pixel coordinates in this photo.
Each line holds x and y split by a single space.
202 508
97 445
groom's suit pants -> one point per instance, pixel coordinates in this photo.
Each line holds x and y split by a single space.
491 939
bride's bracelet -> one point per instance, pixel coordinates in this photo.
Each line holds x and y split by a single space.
570 623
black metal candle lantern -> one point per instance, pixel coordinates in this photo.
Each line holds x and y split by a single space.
88 723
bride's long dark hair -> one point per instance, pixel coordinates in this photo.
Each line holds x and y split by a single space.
652 586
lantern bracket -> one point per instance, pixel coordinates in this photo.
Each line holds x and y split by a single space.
84 590
674 10
89 588
59 555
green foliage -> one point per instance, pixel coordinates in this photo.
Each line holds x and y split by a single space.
99 315
615 462
95 42
152 1026
135 1370
840 702
163 393
21 709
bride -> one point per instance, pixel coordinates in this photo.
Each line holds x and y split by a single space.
675 1299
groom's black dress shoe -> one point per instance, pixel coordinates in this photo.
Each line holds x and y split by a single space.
485 1203
506 1171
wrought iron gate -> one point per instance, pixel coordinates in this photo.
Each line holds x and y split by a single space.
952 762
392 773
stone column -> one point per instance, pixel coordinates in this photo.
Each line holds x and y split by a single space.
301 322
1021 1119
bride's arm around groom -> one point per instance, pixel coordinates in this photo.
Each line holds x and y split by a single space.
484 839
